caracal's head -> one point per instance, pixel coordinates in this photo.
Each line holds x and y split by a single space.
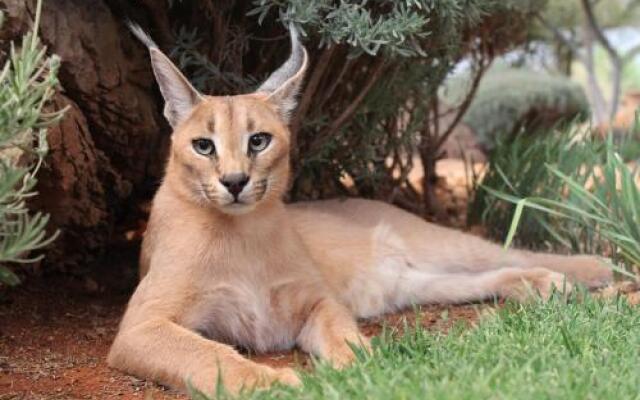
229 152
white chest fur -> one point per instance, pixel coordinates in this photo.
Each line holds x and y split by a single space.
240 313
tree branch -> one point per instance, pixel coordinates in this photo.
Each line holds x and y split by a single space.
599 34
465 104
631 54
312 86
573 46
376 72
615 58
336 81
349 112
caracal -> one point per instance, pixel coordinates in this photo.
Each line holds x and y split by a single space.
226 263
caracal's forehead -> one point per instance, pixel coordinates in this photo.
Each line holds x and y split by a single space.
233 115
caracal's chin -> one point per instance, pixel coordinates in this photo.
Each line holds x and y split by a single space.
237 208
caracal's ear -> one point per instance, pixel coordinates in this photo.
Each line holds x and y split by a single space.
179 96
284 84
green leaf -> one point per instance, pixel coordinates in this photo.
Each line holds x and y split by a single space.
8 277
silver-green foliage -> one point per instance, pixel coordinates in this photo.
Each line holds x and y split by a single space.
27 82
373 64
397 30
202 71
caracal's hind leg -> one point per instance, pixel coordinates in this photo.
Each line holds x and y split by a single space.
407 286
437 249
586 270
382 246
509 283
474 254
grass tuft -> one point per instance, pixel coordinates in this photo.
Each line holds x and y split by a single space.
571 191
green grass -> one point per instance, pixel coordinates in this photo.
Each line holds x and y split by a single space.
586 349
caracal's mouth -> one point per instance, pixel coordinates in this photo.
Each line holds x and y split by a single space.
237 207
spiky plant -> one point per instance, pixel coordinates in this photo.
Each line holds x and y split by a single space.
27 83
567 191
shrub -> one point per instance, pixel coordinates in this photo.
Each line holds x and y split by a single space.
371 95
27 83
513 100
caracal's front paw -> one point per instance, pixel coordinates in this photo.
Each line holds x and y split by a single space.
249 376
286 376
536 282
548 281
263 376
341 355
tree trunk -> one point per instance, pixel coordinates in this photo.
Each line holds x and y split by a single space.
594 32
111 140
595 91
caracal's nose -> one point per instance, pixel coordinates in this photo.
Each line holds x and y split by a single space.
235 182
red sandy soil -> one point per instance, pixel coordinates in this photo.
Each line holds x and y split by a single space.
54 341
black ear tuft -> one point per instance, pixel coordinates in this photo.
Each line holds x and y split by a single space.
179 95
284 84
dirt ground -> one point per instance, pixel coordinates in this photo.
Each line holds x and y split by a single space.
53 346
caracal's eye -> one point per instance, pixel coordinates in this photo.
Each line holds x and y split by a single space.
259 141
203 146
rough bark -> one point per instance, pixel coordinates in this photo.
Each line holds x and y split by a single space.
112 138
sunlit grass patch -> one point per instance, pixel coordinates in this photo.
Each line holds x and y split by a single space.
557 349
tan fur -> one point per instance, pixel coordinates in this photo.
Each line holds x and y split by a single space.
266 276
